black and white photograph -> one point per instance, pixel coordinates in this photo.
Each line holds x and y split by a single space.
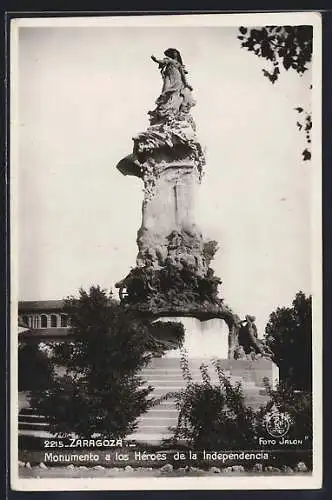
165 186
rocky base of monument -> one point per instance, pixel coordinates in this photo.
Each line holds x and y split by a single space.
173 289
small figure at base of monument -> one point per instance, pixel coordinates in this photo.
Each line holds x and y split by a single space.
249 343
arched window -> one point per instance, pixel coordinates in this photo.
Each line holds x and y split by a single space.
64 321
54 321
43 321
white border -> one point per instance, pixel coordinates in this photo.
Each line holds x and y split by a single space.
220 481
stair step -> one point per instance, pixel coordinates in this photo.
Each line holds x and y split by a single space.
162 410
150 438
33 425
148 428
152 422
166 383
39 433
161 391
162 413
28 411
30 417
159 377
167 388
178 372
177 362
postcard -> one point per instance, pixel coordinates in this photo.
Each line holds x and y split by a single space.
166 251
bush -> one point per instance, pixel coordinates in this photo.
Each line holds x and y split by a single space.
214 416
35 369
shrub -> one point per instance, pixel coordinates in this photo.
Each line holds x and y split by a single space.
102 392
35 369
214 416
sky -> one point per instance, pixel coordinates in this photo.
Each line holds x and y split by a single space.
83 93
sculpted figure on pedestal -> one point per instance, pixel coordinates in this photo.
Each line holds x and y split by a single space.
248 339
176 95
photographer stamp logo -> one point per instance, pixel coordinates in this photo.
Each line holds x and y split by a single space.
277 423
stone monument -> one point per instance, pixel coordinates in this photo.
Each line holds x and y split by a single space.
173 279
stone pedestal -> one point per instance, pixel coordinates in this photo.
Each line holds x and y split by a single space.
168 229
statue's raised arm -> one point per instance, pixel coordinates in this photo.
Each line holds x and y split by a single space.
163 60
158 61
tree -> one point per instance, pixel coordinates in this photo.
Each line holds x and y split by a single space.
289 335
297 404
35 369
102 392
287 47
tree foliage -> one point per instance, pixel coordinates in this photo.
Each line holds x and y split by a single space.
295 403
286 46
289 335
35 369
102 392
283 47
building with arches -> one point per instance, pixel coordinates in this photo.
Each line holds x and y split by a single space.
43 319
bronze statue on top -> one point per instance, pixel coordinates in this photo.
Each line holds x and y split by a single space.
176 95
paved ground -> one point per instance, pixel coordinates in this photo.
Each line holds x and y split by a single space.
78 472
81 472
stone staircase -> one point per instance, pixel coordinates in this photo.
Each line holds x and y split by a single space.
165 375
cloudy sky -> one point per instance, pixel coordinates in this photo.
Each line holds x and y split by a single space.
84 92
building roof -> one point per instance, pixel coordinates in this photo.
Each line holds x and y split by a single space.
40 305
29 306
